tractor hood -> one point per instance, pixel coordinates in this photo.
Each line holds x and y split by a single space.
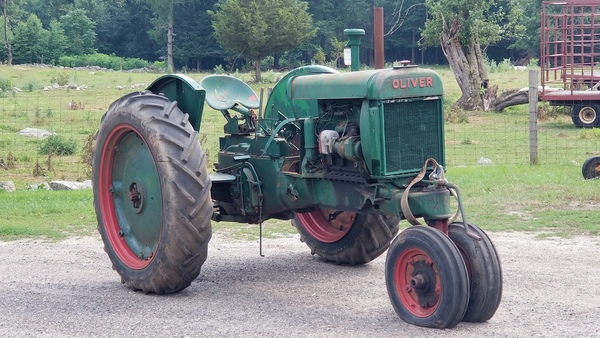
397 82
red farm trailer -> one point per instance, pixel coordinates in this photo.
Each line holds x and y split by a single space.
570 58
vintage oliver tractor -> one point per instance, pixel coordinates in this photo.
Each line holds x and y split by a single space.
345 156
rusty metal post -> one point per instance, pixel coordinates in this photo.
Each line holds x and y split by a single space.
378 37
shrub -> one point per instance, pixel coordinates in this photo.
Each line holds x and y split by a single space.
58 145
219 69
5 84
103 61
319 57
60 78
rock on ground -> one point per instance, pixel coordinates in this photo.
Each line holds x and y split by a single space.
8 186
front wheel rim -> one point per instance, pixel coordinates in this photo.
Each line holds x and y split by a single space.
417 282
130 197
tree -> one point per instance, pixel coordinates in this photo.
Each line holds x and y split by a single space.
259 28
195 45
405 19
80 32
55 42
29 40
7 44
11 15
461 27
526 37
123 30
164 20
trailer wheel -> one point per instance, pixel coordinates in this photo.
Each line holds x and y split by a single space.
426 278
151 193
585 116
484 270
345 237
591 168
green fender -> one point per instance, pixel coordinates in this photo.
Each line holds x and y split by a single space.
187 92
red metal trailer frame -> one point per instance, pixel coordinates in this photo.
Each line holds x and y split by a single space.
570 52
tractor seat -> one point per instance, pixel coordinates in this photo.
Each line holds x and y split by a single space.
223 92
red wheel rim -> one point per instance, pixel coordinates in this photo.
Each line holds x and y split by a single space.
127 233
317 224
417 282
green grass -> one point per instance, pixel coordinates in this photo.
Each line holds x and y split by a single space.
51 215
551 198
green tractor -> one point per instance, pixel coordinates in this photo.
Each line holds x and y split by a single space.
344 156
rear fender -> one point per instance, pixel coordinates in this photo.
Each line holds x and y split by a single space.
187 92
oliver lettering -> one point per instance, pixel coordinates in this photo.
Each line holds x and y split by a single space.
413 82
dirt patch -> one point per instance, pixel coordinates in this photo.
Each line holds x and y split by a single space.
68 289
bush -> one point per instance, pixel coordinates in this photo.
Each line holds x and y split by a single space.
103 61
58 145
60 78
319 58
219 69
5 84
497 67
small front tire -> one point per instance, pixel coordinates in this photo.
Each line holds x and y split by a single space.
426 278
484 269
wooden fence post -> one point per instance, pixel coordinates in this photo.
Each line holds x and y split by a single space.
533 103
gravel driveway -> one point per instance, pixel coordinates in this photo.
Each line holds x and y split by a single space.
68 289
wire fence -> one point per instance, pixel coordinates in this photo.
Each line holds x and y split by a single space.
72 116
504 139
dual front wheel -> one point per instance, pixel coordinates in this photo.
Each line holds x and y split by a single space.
434 280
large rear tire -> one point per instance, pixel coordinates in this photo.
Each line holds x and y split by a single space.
151 193
350 238
484 269
426 278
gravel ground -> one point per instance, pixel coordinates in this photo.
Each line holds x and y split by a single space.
68 289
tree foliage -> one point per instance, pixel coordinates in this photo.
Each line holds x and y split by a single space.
30 40
80 32
461 28
259 28
280 33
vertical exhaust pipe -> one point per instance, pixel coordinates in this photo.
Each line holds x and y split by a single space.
354 37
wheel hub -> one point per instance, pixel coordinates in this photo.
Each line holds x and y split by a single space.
135 195
423 282
587 114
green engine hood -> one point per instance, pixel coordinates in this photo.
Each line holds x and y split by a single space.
399 82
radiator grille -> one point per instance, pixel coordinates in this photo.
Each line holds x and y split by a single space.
413 133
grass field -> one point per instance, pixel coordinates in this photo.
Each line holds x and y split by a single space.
551 198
